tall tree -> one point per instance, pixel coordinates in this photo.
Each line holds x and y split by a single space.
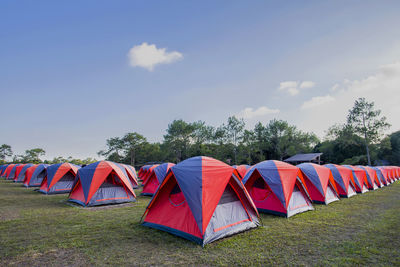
150 152
115 146
285 140
248 146
131 143
5 151
32 155
234 133
178 139
203 136
395 147
279 138
385 150
260 139
367 123
341 144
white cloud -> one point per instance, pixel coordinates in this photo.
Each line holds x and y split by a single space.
382 87
292 87
307 84
287 85
249 113
293 91
317 101
148 56
335 87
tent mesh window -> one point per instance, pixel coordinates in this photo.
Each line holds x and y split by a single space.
112 180
42 174
228 196
67 177
260 191
176 197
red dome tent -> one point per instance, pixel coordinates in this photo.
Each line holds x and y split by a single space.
319 183
389 173
7 170
381 177
131 173
20 172
392 173
372 179
102 182
155 179
342 177
386 173
142 171
276 187
35 175
28 173
201 199
241 169
359 178
2 169
148 173
59 179
11 173
396 171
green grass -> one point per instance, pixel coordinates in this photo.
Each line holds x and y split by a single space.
39 230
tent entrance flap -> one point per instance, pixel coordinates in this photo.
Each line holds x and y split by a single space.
110 193
351 191
229 217
260 191
36 180
64 184
364 188
298 202
330 195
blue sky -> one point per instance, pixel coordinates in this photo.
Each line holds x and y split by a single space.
68 80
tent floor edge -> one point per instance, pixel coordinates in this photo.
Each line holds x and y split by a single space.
319 202
27 186
58 192
77 202
273 212
147 194
174 232
240 228
111 202
300 210
331 200
347 196
42 191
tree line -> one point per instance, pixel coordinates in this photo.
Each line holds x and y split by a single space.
359 141
33 156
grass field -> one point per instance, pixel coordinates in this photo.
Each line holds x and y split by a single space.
38 230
